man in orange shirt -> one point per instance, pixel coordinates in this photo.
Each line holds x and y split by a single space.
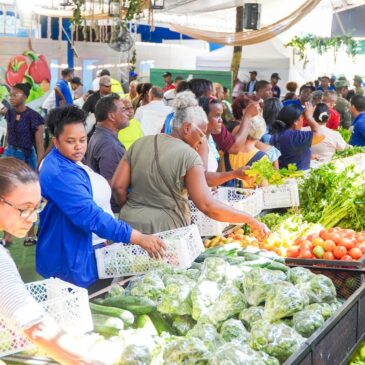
330 98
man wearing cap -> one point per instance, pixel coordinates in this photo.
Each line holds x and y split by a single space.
251 86
343 105
105 86
167 77
325 84
357 83
62 90
169 95
276 91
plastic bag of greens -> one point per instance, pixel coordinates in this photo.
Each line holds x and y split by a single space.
233 329
214 269
257 282
149 285
136 355
203 295
267 359
283 300
183 324
250 315
276 339
187 351
307 321
299 275
176 297
324 309
230 302
193 274
319 289
236 354
208 334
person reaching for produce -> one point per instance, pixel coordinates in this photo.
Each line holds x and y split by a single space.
20 202
78 217
333 140
293 143
162 171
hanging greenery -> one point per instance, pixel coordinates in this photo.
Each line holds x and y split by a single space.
77 17
323 45
133 60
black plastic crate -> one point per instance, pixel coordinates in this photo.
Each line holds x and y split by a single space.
336 340
355 264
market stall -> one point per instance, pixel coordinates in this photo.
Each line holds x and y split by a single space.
284 300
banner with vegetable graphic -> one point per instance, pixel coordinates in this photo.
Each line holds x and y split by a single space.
31 68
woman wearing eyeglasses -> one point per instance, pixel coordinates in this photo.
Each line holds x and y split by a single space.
20 201
163 170
78 218
24 137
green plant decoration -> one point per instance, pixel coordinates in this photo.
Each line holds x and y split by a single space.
323 44
77 17
133 60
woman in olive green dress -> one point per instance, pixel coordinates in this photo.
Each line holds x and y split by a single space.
163 170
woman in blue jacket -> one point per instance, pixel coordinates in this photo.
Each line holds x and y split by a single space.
77 218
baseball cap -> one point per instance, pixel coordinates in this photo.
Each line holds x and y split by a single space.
253 72
167 74
105 80
275 75
133 74
341 83
357 78
76 80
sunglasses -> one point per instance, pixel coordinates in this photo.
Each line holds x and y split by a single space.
26 213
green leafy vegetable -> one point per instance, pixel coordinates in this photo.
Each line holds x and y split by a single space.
233 329
307 321
250 315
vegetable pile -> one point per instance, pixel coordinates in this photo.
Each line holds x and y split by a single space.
225 310
359 356
332 244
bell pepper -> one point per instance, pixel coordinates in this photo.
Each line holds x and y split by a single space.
35 92
16 70
38 69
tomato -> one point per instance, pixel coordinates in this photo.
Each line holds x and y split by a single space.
323 234
346 258
299 240
306 254
361 246
328 256
306 245
329 245
318 241
312 236
293 251
335 237
355 253
318 251
339 251
347 243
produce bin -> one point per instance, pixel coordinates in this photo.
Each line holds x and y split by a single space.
281 196
66 303
184 245
355 264
245 200
333 343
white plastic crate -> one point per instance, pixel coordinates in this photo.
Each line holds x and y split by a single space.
281 196
246 200
67 304
184 245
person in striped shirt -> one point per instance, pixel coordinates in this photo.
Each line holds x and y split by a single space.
20 202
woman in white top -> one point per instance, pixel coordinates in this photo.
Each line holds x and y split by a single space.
20 202
333 140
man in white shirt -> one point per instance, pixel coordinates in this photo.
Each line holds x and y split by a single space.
170 95
152 116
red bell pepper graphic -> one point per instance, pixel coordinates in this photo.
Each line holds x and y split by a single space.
16 70
38 69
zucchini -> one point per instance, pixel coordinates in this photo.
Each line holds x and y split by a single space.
144 322
107 326
136 305
161 324
126 316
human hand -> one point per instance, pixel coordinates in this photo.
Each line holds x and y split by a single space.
153 245
253 109
259 230
241 173
308 110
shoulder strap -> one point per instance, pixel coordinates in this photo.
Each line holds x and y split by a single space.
258 156
167 184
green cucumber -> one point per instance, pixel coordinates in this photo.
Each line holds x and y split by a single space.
144 322
107 326
126 316
161 324
136 305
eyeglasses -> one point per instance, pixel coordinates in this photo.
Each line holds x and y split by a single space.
26 213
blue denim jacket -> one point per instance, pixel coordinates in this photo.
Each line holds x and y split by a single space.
64 249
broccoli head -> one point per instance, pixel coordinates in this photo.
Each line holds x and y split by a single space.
307 321
234 330
183 324
299 275
136 355
208 334
250 315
